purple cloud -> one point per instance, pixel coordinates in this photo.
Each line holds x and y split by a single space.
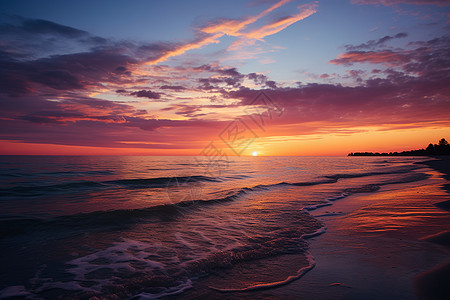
373 44
146 94
173 87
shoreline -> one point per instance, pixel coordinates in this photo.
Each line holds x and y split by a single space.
360 258
442 165
385 240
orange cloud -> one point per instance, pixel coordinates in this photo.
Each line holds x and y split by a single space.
374 57
248 38
232 27
213 39
235 27
277 26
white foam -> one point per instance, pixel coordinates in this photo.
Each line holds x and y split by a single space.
168 292
316 206
315 233
299 274
118 258
291 278
327 202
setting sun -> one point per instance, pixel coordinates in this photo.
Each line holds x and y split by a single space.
254 153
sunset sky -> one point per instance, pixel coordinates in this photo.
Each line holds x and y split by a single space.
198 77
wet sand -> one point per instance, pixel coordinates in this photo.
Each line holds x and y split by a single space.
392 244
442 164
375 248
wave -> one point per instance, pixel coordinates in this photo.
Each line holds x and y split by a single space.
300 273
33 191
369 188
87 186
172 291
397 170
13 226
163 182
154 276
346 192
124 254
159 182
139 258
74 173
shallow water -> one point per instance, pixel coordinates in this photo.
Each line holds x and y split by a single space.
147 227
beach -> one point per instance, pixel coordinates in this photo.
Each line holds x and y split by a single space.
267 228
378 249
392 244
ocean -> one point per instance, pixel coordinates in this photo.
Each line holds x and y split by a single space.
138 227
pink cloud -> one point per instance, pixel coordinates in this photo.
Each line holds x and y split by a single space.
210 34
50 100
428 58
375 57
380 103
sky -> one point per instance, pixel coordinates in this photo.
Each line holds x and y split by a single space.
222 78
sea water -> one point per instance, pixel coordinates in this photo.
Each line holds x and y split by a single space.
121 227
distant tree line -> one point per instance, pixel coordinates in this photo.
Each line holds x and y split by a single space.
441 148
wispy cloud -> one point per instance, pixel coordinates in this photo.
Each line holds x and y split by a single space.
249 37
373 44
375 57
210 34
425 58
233 27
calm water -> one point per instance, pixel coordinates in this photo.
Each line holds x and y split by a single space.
148 227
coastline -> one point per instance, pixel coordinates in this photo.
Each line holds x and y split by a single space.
386 240
434 284
377 246
371 250
407 259
441 164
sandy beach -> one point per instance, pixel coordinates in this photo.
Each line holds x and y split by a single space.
387 245
381 246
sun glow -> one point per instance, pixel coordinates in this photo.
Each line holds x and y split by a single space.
254 153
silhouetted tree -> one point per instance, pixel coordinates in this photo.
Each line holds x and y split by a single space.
443 142
442 148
